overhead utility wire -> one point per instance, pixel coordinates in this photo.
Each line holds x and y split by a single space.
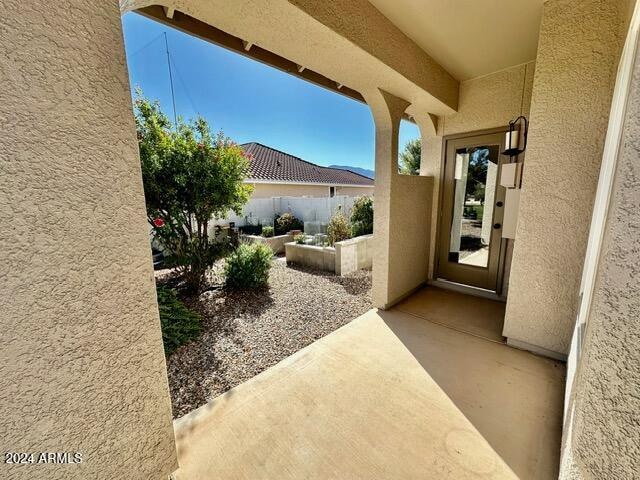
184 84
145 45
173 97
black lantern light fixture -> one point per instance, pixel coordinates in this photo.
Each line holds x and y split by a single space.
516 137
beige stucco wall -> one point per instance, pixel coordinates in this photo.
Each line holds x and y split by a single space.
487 102
355 191
268 190
602 433
577 58
81 365
401 241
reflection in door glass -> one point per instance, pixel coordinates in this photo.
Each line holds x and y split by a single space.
476 172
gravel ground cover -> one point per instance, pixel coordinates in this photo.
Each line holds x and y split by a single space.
246 332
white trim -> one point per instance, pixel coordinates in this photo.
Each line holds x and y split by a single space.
603 196
466 289
284 182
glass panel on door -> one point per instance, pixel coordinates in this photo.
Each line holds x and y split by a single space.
470 247
475 176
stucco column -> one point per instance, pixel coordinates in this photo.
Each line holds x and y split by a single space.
431 132
401 211
387 112
578 54
82 367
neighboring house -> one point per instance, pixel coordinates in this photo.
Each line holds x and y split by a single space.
278 174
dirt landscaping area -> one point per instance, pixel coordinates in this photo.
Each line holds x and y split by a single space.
246 332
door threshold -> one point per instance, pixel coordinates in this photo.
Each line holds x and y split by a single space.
466 289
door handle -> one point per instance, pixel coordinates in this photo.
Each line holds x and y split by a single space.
497 225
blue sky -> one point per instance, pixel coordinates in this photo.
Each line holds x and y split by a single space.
250 101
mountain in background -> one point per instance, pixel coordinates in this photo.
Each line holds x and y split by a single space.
360 171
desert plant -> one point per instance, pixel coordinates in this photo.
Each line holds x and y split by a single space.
299 238
287 222
190 176
179 324
338 228
267 232
362 217
248 266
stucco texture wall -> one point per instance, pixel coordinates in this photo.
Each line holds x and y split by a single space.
268 190
401 241
486 102
81 365
355 191
578 54
604 436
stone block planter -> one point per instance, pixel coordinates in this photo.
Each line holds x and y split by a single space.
345 257
276 243
322 258
354 254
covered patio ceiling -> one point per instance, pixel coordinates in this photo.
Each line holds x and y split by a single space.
469 38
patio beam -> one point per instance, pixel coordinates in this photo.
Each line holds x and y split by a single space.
209 33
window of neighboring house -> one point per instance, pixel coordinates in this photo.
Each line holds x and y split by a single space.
332 192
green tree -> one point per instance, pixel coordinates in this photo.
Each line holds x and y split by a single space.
338 228
477 173
410 158
190 177
362 217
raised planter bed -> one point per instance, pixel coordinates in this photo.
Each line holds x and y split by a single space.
354 254
276 243
322 258
343 258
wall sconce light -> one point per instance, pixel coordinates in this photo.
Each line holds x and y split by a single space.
516 137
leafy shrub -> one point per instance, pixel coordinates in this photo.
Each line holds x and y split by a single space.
362 217
190 176
248 266
179 324
299 238
251 229
338 228
287 222
267 232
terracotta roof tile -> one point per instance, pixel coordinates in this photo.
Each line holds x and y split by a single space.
271 164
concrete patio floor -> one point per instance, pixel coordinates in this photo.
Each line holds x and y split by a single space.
388 396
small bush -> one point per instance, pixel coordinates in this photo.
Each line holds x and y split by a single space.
251 229
267 232
362 217
338 228
179 324
299 238
287 222
248 266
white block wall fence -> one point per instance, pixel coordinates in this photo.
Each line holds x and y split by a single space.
308 209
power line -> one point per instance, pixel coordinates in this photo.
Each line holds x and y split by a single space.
184 84
173 97
145 46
